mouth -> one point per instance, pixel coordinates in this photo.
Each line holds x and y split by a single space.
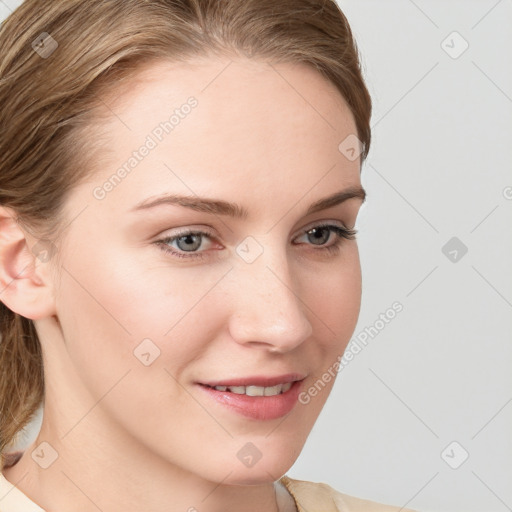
252 390
260 398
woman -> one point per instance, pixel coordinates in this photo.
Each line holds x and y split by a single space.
170 375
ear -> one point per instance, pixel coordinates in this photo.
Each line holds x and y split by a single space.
25 284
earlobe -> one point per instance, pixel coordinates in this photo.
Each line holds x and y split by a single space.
25 284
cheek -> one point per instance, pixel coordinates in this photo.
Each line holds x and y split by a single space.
133 332
333 295
109 305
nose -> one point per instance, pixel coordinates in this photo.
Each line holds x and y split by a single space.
268 311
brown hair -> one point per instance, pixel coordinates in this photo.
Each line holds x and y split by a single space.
59 55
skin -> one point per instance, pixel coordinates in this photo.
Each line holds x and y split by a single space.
133 437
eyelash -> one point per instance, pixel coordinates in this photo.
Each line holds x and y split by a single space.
342 233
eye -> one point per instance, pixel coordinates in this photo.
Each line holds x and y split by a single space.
188 243
322 233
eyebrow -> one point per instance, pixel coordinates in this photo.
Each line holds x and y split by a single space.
220 207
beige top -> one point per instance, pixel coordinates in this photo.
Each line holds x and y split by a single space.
320 497
308 496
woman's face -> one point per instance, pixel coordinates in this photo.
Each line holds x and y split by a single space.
148 321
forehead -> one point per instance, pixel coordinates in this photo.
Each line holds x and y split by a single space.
254 124
251 92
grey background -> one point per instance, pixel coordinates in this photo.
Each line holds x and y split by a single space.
439 168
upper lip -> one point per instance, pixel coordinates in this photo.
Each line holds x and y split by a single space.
257 380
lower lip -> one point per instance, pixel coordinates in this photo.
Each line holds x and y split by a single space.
257 407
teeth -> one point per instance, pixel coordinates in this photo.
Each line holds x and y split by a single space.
257 390
286 387
274 390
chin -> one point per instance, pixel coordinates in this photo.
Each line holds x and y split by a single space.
251 460
257 475
267 463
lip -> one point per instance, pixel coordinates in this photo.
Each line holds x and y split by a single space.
261 408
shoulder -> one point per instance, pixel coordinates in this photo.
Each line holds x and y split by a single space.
321 497
12 499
